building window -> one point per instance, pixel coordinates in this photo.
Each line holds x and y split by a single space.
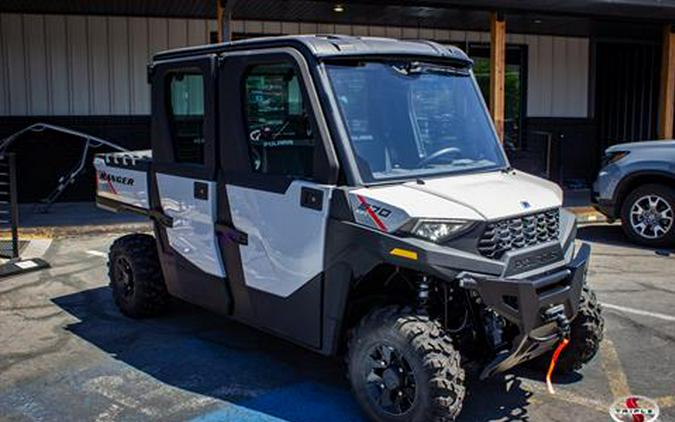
278 128
186 116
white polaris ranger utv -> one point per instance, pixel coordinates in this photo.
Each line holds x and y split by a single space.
350 195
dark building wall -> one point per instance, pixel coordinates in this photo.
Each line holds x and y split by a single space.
44 157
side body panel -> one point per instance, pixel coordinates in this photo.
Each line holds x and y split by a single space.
192 234
285 241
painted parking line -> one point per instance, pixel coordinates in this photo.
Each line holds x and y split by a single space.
96 253
639 312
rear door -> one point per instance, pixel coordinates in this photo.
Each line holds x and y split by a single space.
279 170
184 194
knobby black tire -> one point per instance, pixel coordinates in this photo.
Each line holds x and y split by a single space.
439 375
150 297
586 334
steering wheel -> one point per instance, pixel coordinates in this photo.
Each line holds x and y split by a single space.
433 157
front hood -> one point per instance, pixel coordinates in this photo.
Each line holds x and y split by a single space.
482 196
495 195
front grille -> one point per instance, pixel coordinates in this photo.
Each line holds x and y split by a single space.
502 236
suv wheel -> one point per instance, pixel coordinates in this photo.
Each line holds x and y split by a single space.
648 215
402 367
136 277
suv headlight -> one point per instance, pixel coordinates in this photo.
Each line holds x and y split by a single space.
439 230
613 157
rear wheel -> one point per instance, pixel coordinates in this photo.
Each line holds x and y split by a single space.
136 277
402 367
648 215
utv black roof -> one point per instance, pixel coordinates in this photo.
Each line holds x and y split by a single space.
329 46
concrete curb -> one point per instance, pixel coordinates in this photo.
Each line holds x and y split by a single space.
57 232
587 215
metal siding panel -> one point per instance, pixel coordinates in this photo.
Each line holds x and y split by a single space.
99 69
411 33
360 30
38 98
4 72
583 72
58 64
177 33
138 42
237 26
377 31
119 65
343 29
534 85
290 27
515 38
78 65
545 64
308 28
426 33
559 77
393 31
18 89
272 27
457 36
472 36
159 35
253 27
197 32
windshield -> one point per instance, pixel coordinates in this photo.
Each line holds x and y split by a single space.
409 119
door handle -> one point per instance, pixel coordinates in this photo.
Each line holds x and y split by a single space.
311 198
231 233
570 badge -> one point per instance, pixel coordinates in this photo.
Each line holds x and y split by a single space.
380 211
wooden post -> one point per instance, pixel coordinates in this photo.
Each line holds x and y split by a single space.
667 100
497 69
219 19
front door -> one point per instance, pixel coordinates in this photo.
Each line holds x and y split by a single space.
277 188
184 185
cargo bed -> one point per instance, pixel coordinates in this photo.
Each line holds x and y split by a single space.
122 181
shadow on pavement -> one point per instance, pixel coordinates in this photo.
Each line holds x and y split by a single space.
200 352
612 234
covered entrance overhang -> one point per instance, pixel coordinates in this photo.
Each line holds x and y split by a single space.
549 69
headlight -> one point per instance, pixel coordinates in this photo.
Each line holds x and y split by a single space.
613 157
439 230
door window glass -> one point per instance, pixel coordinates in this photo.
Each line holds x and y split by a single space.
278 129
186 116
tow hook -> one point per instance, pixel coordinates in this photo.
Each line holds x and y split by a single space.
557 314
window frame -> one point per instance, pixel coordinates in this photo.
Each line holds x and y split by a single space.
163 147
171 116
235 159
243 98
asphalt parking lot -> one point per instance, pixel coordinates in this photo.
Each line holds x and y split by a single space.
66 353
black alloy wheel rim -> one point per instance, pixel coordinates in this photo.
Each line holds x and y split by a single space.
390 381
124 276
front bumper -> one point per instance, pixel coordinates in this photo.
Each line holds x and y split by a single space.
523 302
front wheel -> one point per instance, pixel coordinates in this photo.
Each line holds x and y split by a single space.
402 367
586 333
648 215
